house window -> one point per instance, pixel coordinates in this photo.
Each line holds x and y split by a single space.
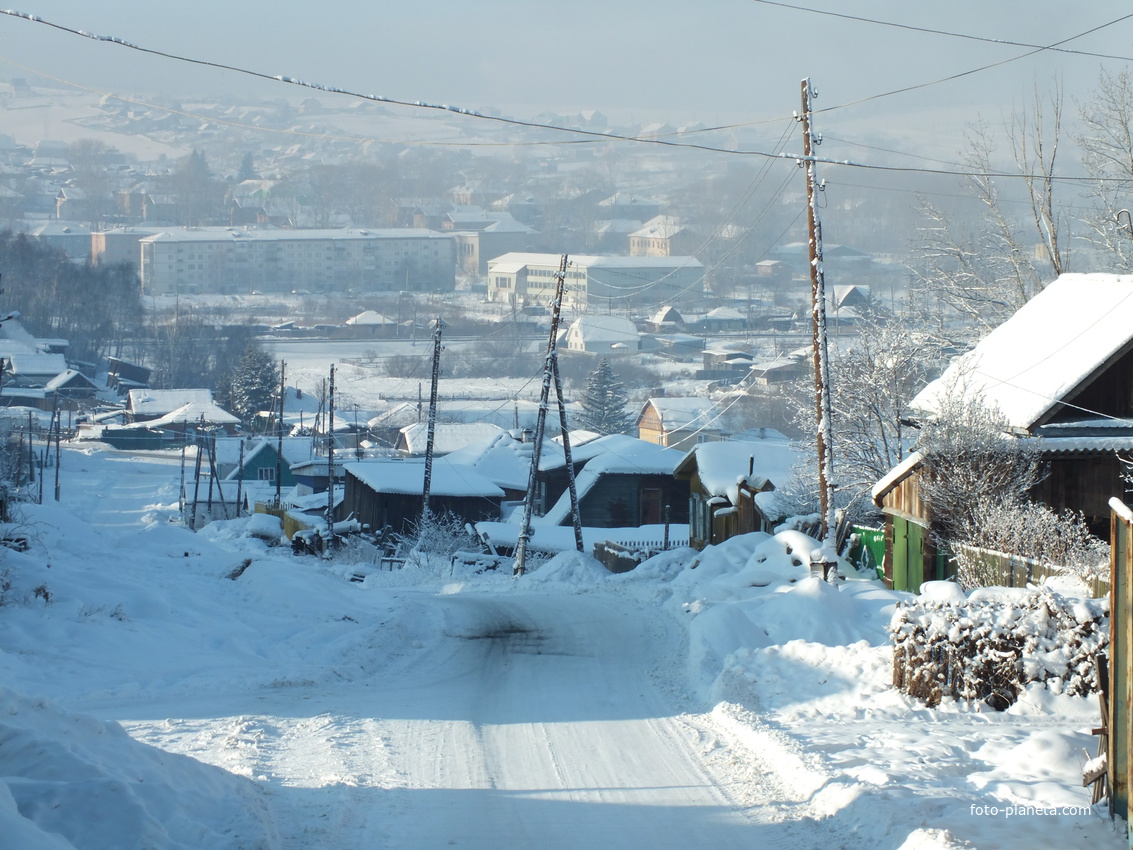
266 473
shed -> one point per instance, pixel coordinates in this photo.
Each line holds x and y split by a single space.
388 493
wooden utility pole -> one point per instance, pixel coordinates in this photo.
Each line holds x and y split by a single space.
818 314
549 371
432 426
279 446
330 462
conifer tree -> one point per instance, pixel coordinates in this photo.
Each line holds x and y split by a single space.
604 403
252 384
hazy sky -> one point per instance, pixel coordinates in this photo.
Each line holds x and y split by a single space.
711 61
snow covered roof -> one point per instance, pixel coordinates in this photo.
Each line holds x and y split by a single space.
725 314
1046 351
407 477
723 464
37 364
592 330
68 376
660 227
629 457
160 402
197 411
501 459
370 317
447 436
896 475
678 414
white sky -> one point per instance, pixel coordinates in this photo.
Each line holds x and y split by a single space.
725 60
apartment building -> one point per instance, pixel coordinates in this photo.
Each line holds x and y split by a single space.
233 260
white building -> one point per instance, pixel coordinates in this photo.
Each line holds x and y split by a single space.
231 260
610 283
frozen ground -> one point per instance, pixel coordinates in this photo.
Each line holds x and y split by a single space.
162 689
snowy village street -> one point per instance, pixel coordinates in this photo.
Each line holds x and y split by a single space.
667 707
533 720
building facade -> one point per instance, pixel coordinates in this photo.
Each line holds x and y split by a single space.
612 284
234 260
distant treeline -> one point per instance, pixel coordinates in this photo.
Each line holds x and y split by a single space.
95 308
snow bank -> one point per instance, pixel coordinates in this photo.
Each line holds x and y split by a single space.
70 781
570 568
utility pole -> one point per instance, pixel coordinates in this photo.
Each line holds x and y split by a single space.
330 463
821 352
432 426
279 446
549 371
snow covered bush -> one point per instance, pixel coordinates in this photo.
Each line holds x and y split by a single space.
437 535
992 645
1060 542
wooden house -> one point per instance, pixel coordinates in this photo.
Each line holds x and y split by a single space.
678 422
1060 371
627 487
730 485
388 493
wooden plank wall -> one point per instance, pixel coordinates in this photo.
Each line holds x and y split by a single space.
1120 672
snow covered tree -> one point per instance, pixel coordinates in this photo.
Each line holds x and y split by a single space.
251 385
972 461
604 403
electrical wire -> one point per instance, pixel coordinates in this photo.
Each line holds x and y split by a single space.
950 34
594 135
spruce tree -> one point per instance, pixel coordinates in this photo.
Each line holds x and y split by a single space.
604 403
252 384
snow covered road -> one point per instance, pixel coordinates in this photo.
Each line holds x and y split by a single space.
520 720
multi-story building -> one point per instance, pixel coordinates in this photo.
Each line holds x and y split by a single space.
610 283
232 260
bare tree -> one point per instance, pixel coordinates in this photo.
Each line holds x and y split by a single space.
971 461
1107 145
987 272
1035 143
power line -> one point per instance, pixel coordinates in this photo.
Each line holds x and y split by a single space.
589 135
971 71
950 34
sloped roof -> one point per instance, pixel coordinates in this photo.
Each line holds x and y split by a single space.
196 411
594 330
660 227
678 414
1046 351
37 364
629 457
502 459
723 464
370 317
160 402
447 436
407 477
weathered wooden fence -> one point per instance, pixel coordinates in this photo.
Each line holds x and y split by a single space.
1119 716
1000 569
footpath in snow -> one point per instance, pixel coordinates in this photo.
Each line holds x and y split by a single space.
165 689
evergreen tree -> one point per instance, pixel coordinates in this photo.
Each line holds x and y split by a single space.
252 384
604 403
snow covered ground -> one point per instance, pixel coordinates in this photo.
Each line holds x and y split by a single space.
164 689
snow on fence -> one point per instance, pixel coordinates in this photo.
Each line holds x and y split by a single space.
1000 569
621 556
992 645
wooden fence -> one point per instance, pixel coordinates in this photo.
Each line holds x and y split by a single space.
1000 569
1118 714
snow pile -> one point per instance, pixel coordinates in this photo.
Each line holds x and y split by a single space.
571 568
71 781
990 645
